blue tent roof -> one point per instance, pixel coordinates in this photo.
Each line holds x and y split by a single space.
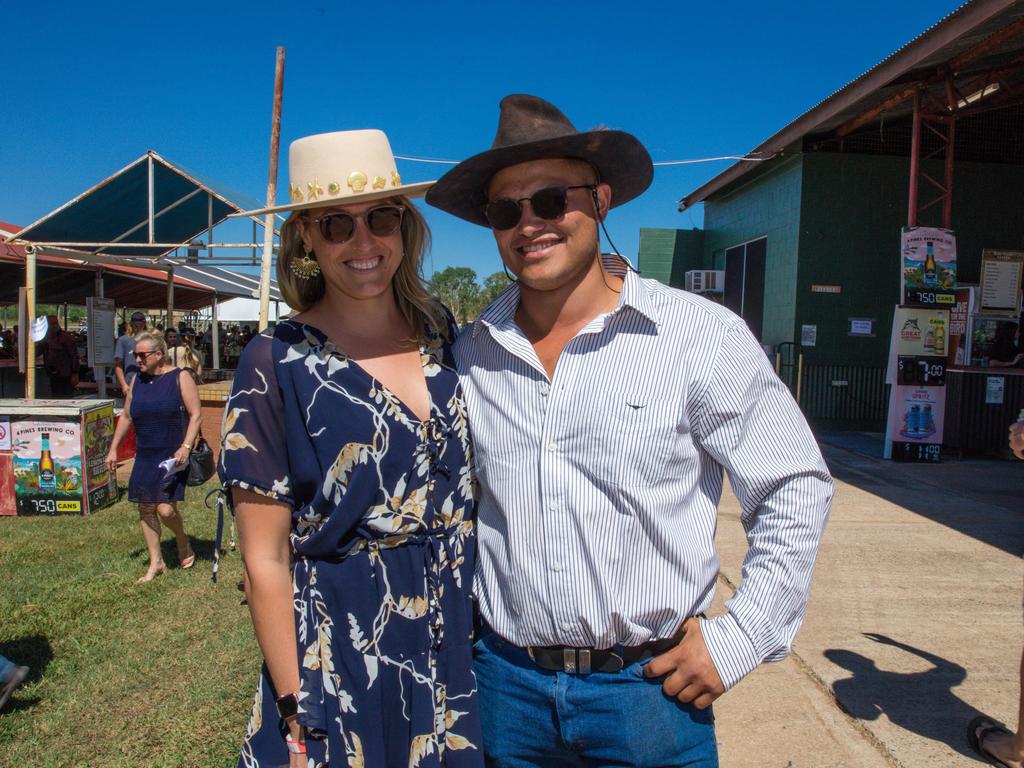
117 210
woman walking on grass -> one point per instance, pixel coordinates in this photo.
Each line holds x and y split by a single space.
346 450
163 404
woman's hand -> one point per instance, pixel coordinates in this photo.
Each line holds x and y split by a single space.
111 460
181 456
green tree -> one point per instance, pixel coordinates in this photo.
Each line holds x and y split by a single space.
457 288
492 288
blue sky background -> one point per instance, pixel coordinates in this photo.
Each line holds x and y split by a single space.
90 87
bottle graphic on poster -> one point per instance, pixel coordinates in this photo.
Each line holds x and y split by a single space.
47 476
931 272
939 345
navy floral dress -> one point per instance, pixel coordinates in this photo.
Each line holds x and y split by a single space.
384 545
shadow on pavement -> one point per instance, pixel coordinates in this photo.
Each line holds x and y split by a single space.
911 700
980 498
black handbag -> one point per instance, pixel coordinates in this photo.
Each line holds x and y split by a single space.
200 463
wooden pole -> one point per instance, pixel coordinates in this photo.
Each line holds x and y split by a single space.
268 222
30 315
170 300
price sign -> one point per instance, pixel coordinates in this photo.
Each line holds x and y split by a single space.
920 371
917 453
943 299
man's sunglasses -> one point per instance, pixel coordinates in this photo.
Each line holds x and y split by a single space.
548 203
339 226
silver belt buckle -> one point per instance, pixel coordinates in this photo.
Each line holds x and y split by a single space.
576 661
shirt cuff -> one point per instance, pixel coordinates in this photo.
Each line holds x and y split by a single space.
731 650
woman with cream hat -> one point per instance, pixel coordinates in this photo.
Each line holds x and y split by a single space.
346 453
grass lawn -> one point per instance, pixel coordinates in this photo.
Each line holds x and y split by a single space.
156 675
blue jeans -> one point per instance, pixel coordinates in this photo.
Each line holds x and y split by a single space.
6 667
532 717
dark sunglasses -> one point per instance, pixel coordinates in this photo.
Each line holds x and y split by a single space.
548 203
144 355
339 226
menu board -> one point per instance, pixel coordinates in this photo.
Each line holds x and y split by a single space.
1001 281
101 313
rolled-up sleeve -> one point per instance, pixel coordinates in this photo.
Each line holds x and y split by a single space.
749 423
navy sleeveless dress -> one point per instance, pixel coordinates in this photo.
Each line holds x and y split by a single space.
159 420
383 515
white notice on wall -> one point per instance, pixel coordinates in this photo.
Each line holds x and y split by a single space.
861 327
994 390
5 433
808 335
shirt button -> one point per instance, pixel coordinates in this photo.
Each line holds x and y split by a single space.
566 626
556 567
552 447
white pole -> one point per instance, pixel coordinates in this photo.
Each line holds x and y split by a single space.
100 370
216 334
268 222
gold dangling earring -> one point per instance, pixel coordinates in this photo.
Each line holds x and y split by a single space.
306 267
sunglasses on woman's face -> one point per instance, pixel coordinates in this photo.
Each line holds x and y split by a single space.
339 226
548 203
144 355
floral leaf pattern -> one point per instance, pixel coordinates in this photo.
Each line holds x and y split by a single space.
383 509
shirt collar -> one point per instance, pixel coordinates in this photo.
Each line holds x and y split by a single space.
635 295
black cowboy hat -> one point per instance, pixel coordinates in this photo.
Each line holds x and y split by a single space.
533 129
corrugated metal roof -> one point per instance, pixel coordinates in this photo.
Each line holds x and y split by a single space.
920 58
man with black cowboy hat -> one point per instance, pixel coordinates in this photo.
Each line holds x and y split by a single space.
604 408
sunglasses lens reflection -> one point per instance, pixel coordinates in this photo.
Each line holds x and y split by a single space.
339 227
548 203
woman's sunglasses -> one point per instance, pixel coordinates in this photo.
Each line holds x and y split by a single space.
548 203
339 226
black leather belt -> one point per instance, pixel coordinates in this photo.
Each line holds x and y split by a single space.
583 661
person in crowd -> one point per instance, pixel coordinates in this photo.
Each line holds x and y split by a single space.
605 408
346 451
992 740
125 366
162 403
1005 351
11 676
181 352
60 359
232 349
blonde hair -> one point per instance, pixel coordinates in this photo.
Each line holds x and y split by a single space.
417 306
156 339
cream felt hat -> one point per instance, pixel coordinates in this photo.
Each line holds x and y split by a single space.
342 167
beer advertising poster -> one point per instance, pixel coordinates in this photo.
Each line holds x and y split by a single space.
915 428
921 332
928 266
99 430
47 466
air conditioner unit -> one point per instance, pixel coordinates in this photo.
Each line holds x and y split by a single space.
705 281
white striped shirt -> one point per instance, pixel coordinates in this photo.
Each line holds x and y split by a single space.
599 488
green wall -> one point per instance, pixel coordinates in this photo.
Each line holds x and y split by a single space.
668 254
768 206
852 210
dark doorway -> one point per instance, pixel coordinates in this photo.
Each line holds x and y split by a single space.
744 282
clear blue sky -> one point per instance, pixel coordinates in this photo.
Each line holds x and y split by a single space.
89 87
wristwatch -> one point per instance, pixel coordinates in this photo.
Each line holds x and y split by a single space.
287 706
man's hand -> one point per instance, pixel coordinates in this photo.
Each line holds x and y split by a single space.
1017 439
690 674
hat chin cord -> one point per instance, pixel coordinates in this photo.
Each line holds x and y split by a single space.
600 221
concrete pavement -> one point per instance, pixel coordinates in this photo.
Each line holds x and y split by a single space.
913 627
